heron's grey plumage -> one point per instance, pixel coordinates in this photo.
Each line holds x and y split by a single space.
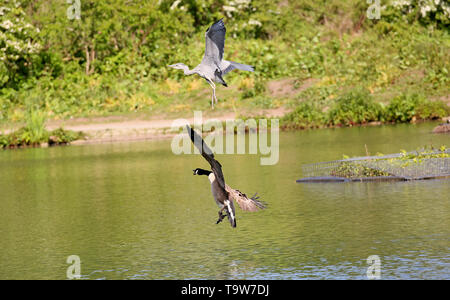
215 43
227 66
213 67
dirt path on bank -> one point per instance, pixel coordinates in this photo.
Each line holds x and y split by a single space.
139 126
121 129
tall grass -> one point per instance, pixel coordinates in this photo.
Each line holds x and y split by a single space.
34 131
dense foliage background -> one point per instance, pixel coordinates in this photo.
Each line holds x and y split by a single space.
113 59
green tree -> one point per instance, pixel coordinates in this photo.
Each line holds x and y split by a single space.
18 45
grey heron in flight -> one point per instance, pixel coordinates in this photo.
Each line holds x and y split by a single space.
213 66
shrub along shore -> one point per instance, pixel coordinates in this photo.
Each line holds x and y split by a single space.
27 137
359 108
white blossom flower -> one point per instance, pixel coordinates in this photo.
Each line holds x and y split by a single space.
7 24
254 22
175 4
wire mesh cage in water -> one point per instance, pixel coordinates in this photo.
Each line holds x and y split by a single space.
414 165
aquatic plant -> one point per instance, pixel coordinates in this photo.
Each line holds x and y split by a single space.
385 166
352 169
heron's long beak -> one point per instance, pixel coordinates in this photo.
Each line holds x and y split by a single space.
171 66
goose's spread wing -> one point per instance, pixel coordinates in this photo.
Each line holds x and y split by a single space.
244 202
206 152
215 42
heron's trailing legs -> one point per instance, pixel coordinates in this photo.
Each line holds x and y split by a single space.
213 97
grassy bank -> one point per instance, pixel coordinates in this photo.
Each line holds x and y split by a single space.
324 60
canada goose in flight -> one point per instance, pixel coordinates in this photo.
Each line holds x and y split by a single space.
223 194
213 66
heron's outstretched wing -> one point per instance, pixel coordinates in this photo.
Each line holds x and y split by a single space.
206 152
244 202
228 66
215 42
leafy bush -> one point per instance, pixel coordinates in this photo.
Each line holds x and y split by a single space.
406 107
305 115
355 107
358 107
4 142
62 136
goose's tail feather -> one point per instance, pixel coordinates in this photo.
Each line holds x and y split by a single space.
230 212
244 202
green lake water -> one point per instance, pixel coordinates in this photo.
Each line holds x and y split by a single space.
134 211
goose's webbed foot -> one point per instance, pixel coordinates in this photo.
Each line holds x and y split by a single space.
221 217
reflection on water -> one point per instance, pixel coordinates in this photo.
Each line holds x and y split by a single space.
135 211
